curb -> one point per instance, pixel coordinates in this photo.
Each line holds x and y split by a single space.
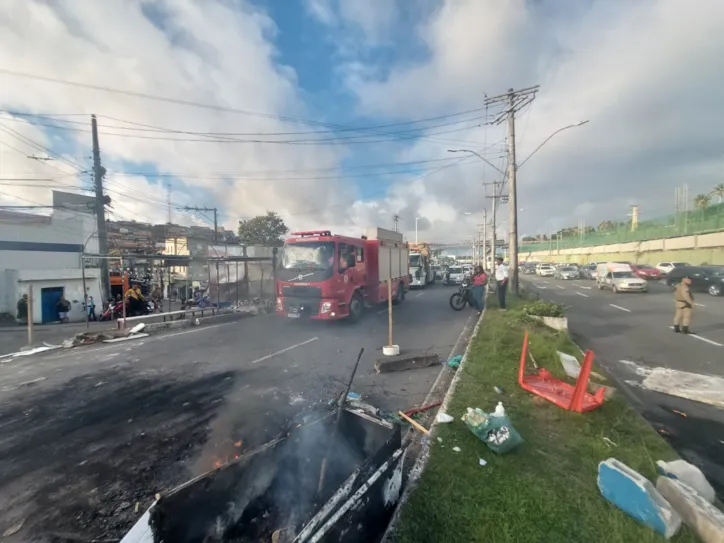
424 455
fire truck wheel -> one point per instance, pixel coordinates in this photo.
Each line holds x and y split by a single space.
400 295
355 307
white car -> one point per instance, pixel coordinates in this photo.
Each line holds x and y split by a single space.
666 267
545 270
456 274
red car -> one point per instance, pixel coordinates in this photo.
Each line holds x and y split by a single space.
644 271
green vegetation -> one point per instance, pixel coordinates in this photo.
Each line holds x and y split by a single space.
541 308
545 491
263 230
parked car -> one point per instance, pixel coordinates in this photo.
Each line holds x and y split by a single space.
545 270
454 276
666 267
566 272
644 271
703 278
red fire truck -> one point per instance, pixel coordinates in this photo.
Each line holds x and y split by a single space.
323 276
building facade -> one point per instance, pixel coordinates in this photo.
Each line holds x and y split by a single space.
44 252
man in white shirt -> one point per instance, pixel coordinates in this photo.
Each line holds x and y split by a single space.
501 277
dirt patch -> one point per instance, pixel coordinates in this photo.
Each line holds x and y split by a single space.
78 459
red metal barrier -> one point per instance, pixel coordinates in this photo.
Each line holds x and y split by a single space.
554 390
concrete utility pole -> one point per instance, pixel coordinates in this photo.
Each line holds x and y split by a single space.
514 100
495 197
98 173
206 209
485 236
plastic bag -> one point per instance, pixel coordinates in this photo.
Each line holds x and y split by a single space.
454 362
496 432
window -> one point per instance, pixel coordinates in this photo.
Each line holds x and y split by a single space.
360 252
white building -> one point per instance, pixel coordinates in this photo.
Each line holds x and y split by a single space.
44 252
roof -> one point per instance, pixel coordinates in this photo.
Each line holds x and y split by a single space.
23 218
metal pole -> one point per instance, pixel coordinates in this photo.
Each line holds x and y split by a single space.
389 299
512 195
85 292
30 315
485 237
98 172
123 294
492 233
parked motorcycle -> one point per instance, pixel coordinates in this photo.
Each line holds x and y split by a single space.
463 297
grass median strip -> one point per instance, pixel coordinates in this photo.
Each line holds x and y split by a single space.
546 489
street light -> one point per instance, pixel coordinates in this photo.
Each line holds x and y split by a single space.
580 123
481 157
416 219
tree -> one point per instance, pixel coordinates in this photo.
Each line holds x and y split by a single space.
529 238
718 191
606 225
702 201
265 230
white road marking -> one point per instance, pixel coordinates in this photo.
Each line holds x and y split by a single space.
419 294
699 305
383 311
272 355
584 295
581 286
560 287
697 336
621 308
545 282
200 329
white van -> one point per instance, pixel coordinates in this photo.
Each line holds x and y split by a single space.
619 278
544 269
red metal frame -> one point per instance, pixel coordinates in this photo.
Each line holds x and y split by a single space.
554 390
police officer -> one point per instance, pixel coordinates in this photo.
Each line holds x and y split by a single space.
684 300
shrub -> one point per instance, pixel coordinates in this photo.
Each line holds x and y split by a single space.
541 308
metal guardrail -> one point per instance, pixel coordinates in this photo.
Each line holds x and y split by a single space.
209 311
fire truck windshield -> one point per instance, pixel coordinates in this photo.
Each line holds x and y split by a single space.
414 261
307 255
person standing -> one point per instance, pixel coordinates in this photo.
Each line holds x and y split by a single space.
23 310
63 307
501 277
91 308
480 280
684 301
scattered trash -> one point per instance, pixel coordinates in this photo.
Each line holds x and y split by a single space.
570 365
14 529
499 390
197 322
135 509
609 442
411 412
456 449
703 517
664 432
634 494
482 462
444 418
679 412
439 439
137 329
689 474
100 384
495 431
353 396
414 424
454 362
499 410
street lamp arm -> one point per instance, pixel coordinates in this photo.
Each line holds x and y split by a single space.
477 155
548 139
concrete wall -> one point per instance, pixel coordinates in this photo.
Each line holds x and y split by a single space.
697 249
18 282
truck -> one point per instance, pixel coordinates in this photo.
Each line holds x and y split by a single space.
421 265
324 276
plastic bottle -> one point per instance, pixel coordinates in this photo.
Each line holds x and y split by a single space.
499 410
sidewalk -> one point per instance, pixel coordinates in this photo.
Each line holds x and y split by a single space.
14 338
546 490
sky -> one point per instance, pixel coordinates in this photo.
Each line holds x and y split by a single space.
339 114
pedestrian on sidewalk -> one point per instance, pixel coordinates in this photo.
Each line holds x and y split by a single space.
501 277
480 280
91 308
63 307
684 301
23 310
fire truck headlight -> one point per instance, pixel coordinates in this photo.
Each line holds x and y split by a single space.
326 307
280 304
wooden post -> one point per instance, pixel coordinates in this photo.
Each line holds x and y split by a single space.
30 315
389 302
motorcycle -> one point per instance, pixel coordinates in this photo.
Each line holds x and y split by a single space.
113 311
463 297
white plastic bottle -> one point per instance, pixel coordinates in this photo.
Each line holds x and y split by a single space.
499 410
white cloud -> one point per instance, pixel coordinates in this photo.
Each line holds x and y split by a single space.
645 73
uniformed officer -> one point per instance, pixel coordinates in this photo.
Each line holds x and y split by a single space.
684 300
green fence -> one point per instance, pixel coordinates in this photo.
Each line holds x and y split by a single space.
684 224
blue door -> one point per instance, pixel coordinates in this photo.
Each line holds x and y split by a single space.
49 299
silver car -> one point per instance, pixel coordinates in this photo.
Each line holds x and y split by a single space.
566 272
455 275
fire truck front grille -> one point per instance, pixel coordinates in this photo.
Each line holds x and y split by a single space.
303 293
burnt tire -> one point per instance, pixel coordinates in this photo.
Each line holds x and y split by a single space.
457 302
356 308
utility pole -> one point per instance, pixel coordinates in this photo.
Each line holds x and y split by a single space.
98 173
206 209
495 197
515 100
168 200
485 236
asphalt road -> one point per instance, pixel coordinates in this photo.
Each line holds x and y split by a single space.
629 332
88 436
